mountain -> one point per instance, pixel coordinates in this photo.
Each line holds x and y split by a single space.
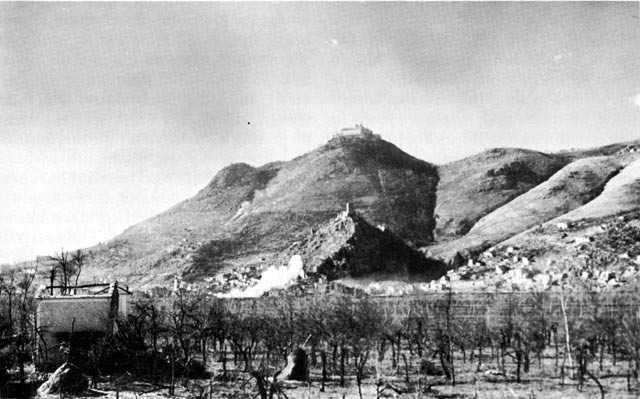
247 215
251 218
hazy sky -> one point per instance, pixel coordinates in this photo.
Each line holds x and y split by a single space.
112 112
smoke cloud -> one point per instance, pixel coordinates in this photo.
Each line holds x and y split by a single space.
274 277
636 100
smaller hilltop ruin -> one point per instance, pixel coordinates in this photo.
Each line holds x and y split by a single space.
349 246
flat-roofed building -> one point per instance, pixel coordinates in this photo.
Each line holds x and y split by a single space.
81 318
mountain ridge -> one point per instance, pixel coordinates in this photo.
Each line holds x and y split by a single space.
246 216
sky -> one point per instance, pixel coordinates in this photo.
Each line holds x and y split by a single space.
112 112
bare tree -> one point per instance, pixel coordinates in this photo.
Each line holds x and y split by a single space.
78 259
63 264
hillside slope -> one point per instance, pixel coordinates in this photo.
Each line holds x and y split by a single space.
621 194
595 245
472 187
620 198
568 189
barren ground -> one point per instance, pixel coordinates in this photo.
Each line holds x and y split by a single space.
542 382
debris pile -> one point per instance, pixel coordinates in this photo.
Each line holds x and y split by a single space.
66 379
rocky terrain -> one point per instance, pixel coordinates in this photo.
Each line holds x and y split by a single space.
251 218
592 253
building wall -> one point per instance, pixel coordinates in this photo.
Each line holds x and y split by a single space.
56 315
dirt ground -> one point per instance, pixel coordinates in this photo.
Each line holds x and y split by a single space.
541 388
543 381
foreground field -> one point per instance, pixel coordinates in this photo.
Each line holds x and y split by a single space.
568 343
544 381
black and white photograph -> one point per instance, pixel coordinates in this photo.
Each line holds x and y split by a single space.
319 200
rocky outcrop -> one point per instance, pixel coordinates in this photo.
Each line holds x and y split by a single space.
349 246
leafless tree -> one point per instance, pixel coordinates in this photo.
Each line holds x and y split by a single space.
78 259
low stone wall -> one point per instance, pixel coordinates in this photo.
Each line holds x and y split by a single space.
461 305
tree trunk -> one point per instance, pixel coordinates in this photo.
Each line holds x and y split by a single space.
173 373
445 365
394 363
555 340
204 351
566 328
601 356
223 356
342 360
314 357
323 359
406 370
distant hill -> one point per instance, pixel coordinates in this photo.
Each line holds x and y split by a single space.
473 187
569 188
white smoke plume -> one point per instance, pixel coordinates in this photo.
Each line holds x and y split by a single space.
272 278
636 100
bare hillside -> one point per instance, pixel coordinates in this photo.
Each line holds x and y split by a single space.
472 187
621 194
568 189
